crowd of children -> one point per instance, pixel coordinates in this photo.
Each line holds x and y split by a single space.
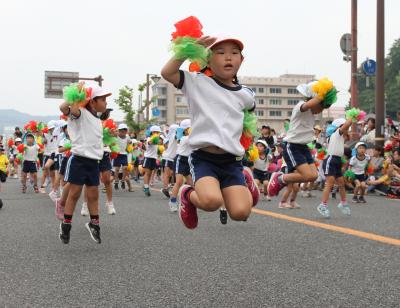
213 161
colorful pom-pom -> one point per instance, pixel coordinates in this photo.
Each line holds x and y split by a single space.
114 148
252 153
189 26
349 174
188 48
21 148
194 67
10 143
388 147
20 157
355 114
110 124
67 145
114 155
160 149
245 141
330 98
45 130
250 123
322 87
321 154
370 169
129 148
74 93
129 167
155 138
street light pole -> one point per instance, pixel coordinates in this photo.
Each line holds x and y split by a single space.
354 47
147 97
380 64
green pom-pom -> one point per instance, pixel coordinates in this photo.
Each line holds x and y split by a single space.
20 156
330 98
344 160
349 174
114 148
188 48
250 122
134 158
353 114
67 145
311 145
155 140
74 94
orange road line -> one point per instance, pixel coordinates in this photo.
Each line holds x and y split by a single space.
316 224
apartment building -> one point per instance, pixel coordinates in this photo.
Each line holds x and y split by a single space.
275 98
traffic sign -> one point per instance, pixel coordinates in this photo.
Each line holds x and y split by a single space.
54 82
345 44
156 112
369 67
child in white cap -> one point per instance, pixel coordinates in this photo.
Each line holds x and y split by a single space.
86 134
122 159
332 166
216 104
150 157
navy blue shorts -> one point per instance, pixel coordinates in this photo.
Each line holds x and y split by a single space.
261 175
57 161
226 168
361 177
46 158
105 163
63 167
182 165
170 164
332 166
29 166
296 155
150 163
120 160
82 171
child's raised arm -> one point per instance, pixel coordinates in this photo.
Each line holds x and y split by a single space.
315 101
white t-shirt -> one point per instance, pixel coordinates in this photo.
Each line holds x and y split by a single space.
31 152
216 112
336 144
51 145
170 152
301 129
151 150
86 133
358 166
62 143
184 148
261 164
123 143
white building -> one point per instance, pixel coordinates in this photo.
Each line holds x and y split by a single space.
275 98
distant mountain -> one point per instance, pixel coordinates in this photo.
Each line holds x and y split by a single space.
11 117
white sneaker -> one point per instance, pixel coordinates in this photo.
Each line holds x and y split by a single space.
173 207
15 176
42 190
53 196
268 198
85 210
110 208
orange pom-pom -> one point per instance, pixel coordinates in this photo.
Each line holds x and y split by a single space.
189 26
245 141
21 148
194 67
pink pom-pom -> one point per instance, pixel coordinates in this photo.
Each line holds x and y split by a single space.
361 116
272 168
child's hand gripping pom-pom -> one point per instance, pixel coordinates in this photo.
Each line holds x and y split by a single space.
184 41
252 153
325 90
67 145
355 114
21 148
249 129
155 138
321 154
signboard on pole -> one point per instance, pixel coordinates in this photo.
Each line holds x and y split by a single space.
55 81
369 67
345 44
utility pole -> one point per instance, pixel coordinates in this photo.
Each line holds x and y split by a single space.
380 64
354 47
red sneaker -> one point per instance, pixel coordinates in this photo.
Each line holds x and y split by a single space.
274 187
251 185
187 211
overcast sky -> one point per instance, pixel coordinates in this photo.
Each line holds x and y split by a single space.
125 39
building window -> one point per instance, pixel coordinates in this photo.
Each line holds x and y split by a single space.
259 113
275 113
275 90
182 111
179 99
292 102
289 113
292 91
261 101
161 102
260 90
162 91
163 114
275 102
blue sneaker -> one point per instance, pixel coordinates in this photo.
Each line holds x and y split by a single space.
323 210
147 191
344 208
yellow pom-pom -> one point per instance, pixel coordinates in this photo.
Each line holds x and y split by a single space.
129 148
129 167
253 153
322 86
161 149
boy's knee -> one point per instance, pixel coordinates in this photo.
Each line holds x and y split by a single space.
210 202
240 214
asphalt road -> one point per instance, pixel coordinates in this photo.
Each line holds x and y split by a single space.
148 258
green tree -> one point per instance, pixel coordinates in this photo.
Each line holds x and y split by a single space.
392 84
125 103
